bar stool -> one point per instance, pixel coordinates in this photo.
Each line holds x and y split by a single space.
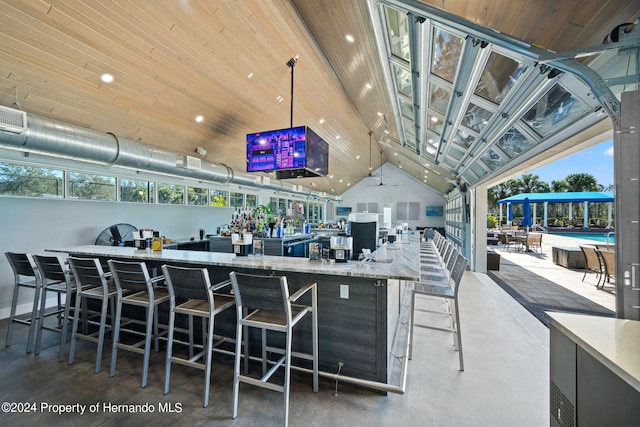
134 276
194 286
268 304
56 277
450 294
26 275
92 283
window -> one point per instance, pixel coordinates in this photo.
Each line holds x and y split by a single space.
91 187
251 200
170 194
30 181
197 196
236 200
137 191
219 198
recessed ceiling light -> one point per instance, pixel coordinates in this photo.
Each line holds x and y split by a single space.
340 180
350 38
279 98
434 119
250 75
321 121
379 113
357 157
330 176
368 86
199 119
395 154
337 136
386 131
400 166
107 78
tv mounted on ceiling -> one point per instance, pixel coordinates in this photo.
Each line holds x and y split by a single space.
292 153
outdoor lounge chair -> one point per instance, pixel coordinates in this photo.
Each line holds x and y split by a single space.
591 262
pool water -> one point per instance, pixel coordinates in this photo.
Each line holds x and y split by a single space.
600 237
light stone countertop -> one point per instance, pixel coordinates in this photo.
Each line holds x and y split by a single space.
613 342
404 256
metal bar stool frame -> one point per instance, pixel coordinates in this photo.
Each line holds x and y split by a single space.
93 283
264 302
194 285
134 277
450 293
56 277
26 275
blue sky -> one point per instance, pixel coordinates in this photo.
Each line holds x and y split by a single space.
597 161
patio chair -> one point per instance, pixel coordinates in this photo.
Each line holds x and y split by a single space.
608 258
533 241
591 262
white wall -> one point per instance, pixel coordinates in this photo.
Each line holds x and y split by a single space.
33 225
402 188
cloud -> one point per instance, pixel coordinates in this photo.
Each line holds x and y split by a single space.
609 151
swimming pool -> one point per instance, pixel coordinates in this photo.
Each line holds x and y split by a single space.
600 237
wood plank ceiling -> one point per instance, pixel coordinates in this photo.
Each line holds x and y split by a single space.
226 60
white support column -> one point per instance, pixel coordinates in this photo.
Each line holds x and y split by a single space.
478 222
546 214
585 224
570 211
533 206
500 220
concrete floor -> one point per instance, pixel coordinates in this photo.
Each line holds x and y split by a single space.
505 382
543 282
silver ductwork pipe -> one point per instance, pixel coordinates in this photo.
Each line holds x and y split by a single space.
55 138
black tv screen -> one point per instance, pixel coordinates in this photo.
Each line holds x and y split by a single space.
297 149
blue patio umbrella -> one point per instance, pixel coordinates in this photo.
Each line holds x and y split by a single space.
509 212
526 220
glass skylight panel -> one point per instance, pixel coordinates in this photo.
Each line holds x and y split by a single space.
498 77
397 29
439 98
556 109
446 50
492 159
431 143
513 143
434 124
403 80
406 107
408 124
476 117
469 177
478 169
456 153
450 163
463 139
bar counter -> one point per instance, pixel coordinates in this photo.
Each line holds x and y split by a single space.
359 303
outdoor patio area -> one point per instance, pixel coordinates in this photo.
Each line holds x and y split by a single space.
540 285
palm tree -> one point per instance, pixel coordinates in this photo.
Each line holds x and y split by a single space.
581 182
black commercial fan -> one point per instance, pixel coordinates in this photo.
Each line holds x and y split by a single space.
116 235
382 184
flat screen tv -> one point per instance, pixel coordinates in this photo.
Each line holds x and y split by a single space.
295 152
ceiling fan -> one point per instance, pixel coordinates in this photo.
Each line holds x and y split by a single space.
381 184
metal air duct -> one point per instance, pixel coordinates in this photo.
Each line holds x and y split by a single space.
55 138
